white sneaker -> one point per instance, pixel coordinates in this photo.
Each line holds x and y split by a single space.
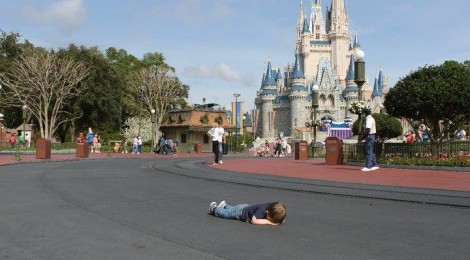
222 204
375 168
220 162
365 169
212 207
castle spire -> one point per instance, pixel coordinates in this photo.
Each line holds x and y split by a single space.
298 73
351 69
339 17
317 23
356 41
301 20
380 81
306 28
376 92
269 79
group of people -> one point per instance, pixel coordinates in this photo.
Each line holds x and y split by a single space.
422 136
166 145
278 149
137 144
92 139
22 140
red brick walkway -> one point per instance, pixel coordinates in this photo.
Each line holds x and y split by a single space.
308 169
317 169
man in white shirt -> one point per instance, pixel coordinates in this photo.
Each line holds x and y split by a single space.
369 136
217 133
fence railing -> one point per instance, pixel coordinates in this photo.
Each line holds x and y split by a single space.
355 152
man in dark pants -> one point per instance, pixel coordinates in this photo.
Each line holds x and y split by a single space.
369 136
217 133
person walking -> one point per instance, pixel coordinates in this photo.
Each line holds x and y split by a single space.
140 142
217 133
369 136
89 138
134 145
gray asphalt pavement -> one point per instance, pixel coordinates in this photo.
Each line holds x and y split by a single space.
157 209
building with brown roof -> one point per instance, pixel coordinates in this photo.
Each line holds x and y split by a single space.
189 127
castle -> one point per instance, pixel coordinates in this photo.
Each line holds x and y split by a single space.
324 55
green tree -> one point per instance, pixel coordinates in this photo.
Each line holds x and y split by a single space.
155 59
387 126
434 94
11 48
99 103
125 64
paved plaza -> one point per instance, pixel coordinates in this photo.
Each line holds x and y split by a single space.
155 207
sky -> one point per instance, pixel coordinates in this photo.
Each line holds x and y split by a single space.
221 47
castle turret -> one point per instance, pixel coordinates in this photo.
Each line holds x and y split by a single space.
297 96
264 102
279 81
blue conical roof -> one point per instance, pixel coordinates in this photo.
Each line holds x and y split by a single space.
356 42
298 73
269 78
279 74
380 82
351 68
376 92
306 29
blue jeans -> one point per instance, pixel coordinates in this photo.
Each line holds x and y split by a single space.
371 161
220 150
230 212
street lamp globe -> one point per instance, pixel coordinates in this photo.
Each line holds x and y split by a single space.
359 54
152 111
315 88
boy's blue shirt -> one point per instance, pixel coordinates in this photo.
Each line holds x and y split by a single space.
259 211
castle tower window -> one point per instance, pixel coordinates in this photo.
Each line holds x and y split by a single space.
317 36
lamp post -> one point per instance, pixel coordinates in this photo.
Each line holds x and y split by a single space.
315 89
359 71
360 79
141 92
25 115
236 95
243 125
153 119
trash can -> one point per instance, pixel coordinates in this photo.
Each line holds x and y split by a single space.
198 148
82 150
43 148
334 151
301 151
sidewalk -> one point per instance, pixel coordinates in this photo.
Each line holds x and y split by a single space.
306 169
318 170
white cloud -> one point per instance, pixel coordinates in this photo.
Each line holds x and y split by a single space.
220 72
68 14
